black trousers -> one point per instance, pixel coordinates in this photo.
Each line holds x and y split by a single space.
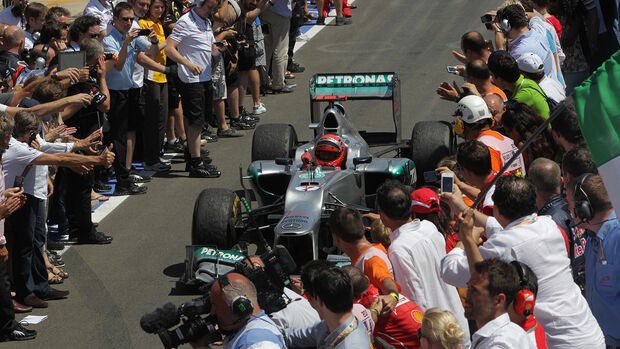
154 125
77 202
28 232
7 315
297 20
118 117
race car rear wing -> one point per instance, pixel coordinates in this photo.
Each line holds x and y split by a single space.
329 88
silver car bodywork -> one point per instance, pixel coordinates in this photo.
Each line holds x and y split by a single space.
313 193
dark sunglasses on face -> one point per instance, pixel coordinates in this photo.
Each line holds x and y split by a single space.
128 18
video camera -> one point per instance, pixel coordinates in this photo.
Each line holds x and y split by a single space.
195 318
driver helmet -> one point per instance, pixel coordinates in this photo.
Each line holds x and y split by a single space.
330 151
471 109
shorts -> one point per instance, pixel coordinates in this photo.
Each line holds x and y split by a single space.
135 114
219 78
197 101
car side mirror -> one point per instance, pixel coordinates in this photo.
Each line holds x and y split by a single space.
284 161
362 160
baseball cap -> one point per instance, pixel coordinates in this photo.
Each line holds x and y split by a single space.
424 200
530 63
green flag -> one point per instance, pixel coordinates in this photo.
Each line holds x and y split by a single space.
597 101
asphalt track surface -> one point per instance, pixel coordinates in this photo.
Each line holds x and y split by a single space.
112 286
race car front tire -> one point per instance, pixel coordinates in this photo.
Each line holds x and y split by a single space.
215 213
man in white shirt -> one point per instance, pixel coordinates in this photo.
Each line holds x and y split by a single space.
101 9
533 68
34 15
190 45
491 289
516 233
415 252
24 166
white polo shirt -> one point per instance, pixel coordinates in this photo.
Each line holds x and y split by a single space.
195 38
104 12
537 242
416 252
500 333
19 155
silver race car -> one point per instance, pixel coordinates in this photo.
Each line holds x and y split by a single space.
292 194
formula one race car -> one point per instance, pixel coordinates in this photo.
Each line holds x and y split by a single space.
296 185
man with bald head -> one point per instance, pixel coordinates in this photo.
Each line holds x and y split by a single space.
474 47
496 107
12 46
546 176
235 304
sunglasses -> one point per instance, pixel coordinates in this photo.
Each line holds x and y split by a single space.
94 36
128 18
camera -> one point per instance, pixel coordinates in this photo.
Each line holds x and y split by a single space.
487 20
194 318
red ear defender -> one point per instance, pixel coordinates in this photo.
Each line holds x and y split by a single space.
524 302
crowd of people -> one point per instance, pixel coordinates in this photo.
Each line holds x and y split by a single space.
533 265
85 96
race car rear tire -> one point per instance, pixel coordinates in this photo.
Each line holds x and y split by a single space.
272 141
431 141
215 213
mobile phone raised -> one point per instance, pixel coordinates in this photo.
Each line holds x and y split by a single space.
144 32
452 69
447 182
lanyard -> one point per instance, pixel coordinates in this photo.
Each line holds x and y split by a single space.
352 326
601 252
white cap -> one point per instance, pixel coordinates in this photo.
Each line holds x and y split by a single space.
472 109
530 63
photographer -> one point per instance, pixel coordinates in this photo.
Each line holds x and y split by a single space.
235 304
86 120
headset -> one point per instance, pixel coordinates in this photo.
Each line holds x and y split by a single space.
583 208
241 305
504 25
524 299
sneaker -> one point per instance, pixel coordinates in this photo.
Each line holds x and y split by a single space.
175 147
157 167
127 187
100 187
201 171
285 89
98 238
320 20
259 109
229 133
19 333
294 67
242 124
208 166
165 161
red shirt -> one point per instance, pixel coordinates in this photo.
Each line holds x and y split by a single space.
533 327
556 25
400 328
486 205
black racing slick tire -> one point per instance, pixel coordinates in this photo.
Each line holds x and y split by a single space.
272 141
215 214
431 141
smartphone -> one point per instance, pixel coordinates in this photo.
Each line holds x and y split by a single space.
19 182
108 56
447 182
144 32
33 137
452 69
431 177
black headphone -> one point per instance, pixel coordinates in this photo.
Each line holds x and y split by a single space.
241 305
524 299
583 208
